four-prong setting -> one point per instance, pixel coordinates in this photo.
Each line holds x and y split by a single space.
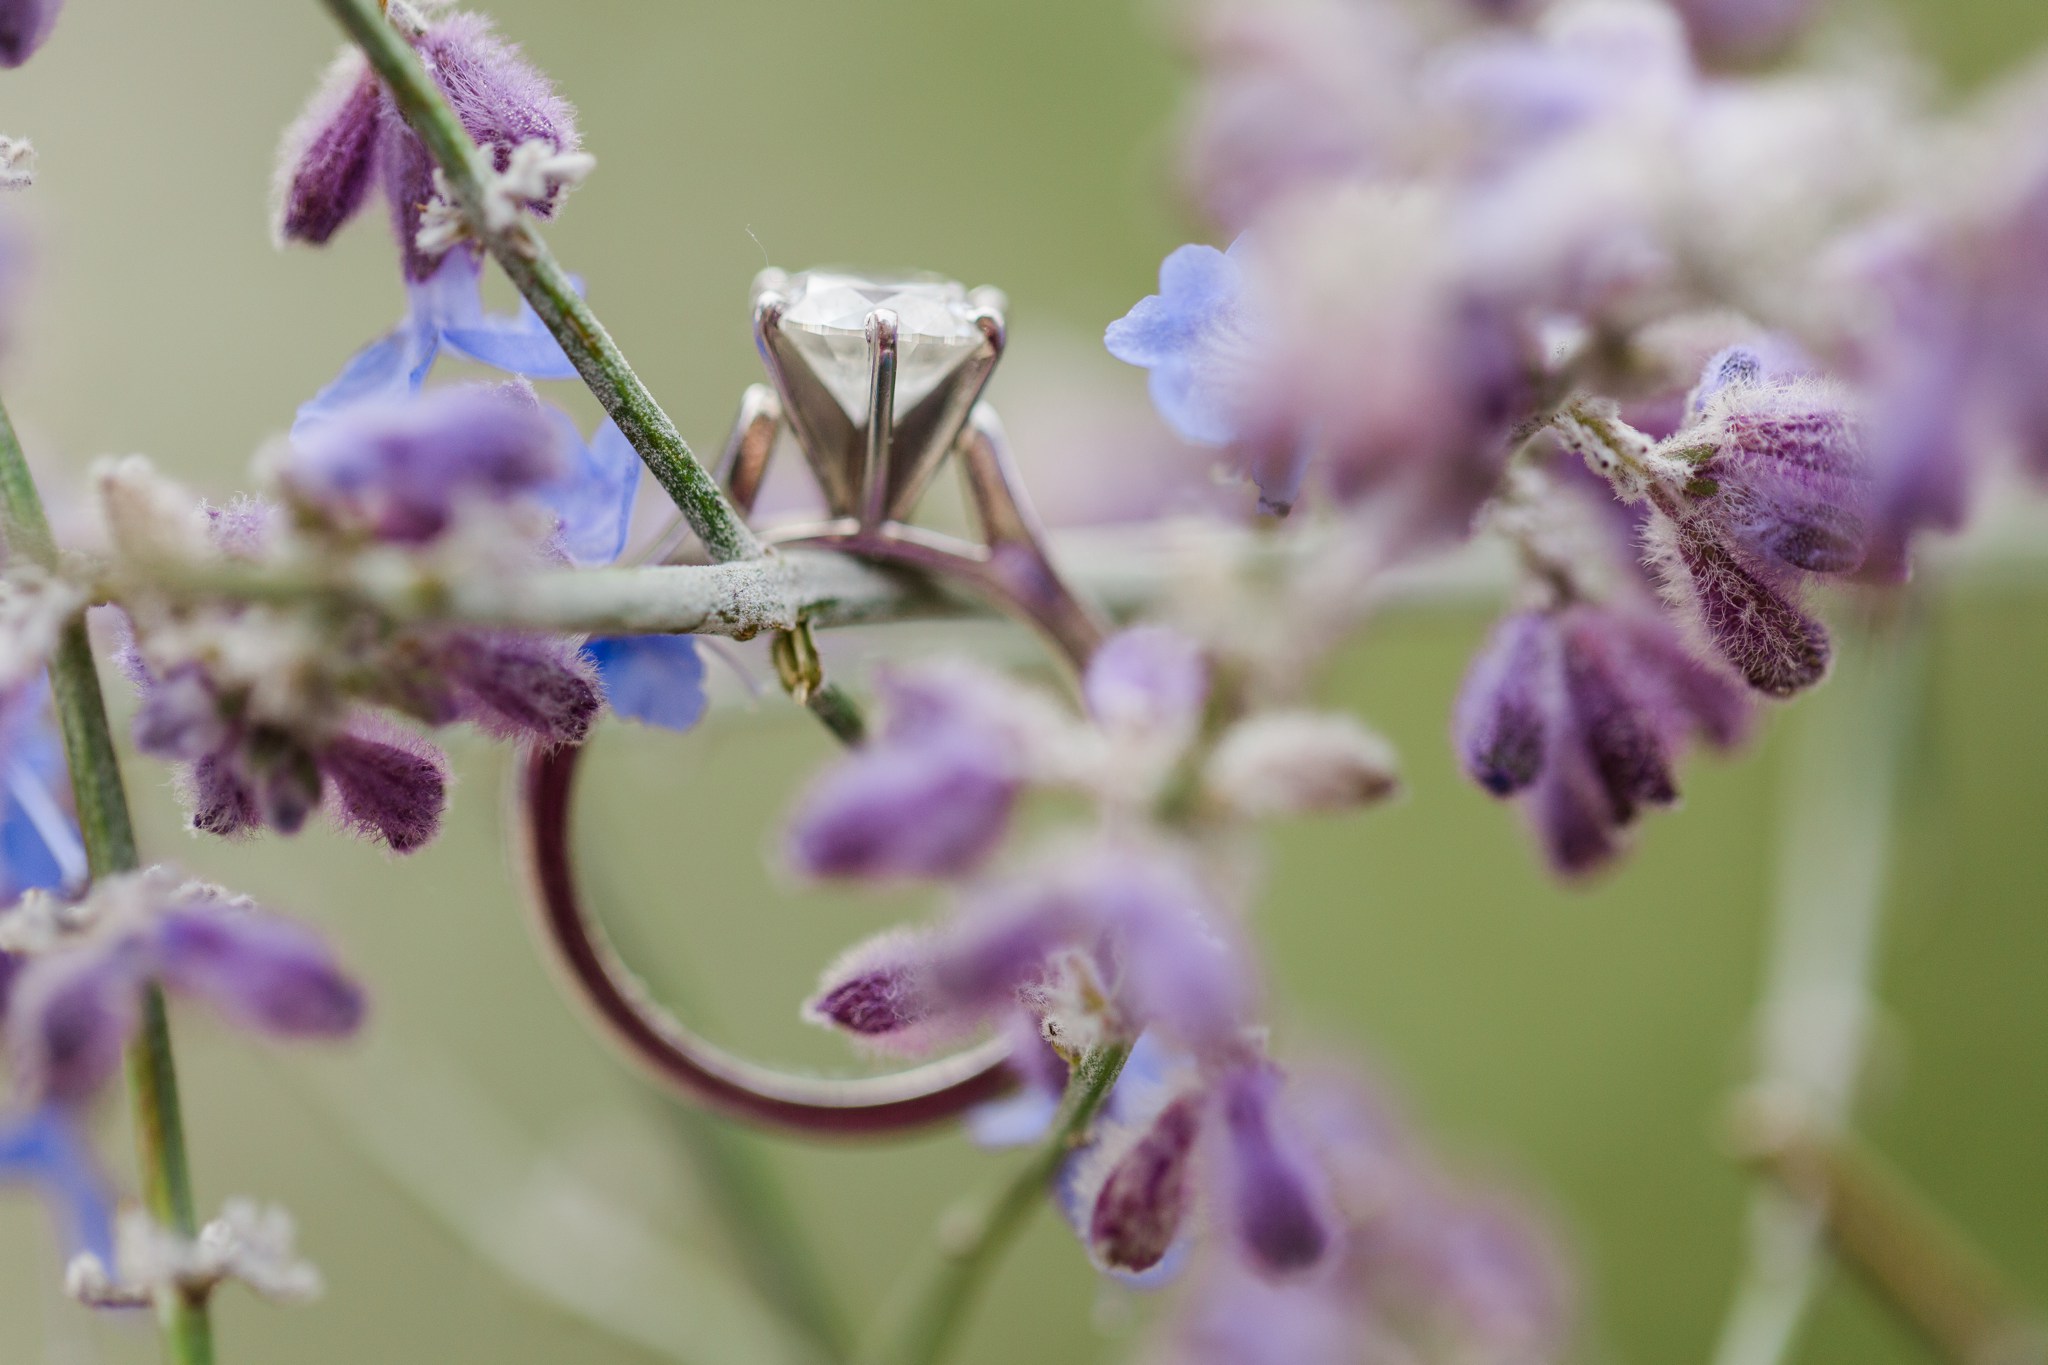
878 379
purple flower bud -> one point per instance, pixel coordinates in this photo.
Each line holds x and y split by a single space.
932 794
1145 678
501 97
502 100
1505 708
1749 620
1276 1202
400 471
1780 468
244 528
180 716
881 994
393 787
1142 1191
1573 817
1621 736
262 972
220 801
72 1014
935 808
327 159
1745 30
522 686
24 24
282 778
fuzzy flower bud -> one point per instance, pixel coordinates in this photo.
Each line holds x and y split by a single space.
77 1001
881 994
1136 1195
1277 1204
400 472
251 1243
521 686
1749 616
1505 706
932 794
1584 711
1297 763
24 24
327 161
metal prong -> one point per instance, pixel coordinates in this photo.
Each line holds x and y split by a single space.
929 430
881 426
821 426
748 448
1016 540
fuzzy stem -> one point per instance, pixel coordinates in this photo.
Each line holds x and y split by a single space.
931 1305
110 849
526 259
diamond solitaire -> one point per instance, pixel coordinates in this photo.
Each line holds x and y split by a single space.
826 319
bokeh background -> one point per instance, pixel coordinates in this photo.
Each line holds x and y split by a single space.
481 1181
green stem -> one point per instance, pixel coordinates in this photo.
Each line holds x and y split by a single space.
766 1233
931 1306
110 849
1901 1245
540 278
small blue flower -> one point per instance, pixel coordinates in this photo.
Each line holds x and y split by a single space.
1192 336
654 679
445 310
39 843
44 1148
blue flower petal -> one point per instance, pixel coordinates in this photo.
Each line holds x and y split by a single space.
654 679
45 1149
594 499
386 370
451 297
1191 335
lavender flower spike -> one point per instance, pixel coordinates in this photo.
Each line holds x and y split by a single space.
24 24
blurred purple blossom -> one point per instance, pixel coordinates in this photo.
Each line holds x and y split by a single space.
24 25
1586 710
77 1003
401 471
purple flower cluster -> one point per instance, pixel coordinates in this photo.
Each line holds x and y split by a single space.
351 136
271 725
72 980
1470 245
1427 1266
1583 711
1115 936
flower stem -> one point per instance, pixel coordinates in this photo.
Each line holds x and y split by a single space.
930 1307
540 278
110 848
1904 1248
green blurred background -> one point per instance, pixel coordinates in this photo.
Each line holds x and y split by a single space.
481 1142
